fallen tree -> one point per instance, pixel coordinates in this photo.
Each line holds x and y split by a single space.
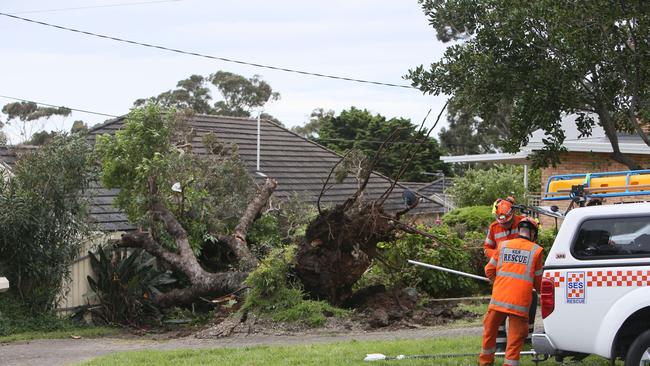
183 260
338 247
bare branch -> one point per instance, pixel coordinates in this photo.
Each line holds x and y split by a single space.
416 148
399 214
371 167
412 230
323 190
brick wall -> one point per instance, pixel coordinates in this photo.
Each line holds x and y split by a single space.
583 162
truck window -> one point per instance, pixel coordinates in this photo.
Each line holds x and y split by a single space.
613 237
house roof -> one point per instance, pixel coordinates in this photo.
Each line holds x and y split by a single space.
297 164
596 143
9 155
428 189
7 159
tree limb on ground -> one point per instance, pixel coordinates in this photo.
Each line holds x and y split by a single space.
184 260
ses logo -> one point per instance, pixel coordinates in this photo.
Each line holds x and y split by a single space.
575 288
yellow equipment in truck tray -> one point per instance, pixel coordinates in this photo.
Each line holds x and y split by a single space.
609 184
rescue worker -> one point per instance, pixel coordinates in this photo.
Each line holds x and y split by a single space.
514 270
503 228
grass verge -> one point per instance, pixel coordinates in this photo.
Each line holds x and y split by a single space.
346 353
84 332
19 324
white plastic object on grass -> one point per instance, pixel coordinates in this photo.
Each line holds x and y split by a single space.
4 284
176 187
374 357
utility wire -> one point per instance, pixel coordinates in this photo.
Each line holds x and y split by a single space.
57 106
208 56
93 7
369 141
114 116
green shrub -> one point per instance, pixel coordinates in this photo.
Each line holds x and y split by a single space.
124 286
394 271
281 226
546 239
264 235
472 218
273 295
482 186
43 220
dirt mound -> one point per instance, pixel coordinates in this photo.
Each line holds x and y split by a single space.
375 309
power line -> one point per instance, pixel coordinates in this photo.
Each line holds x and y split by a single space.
93 7
175 50
369 141
57 106
114 116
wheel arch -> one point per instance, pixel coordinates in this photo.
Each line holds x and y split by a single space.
626 320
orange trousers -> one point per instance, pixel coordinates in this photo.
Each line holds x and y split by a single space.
517 333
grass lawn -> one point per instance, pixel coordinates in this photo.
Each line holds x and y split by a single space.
348 353
85 332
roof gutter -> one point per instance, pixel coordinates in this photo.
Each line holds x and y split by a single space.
516 158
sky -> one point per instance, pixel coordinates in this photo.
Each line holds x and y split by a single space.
377 40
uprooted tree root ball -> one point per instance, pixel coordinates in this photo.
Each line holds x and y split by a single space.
338 248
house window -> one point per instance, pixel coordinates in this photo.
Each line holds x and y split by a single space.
613 238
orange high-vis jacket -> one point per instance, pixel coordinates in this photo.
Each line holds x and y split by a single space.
515 268
497 234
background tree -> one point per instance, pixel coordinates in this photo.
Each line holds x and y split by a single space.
310 129
25 113
530 63
79 127
361 130
467 134
42 221
190 93
241 96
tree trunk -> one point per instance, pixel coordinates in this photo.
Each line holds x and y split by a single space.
184 261
610 131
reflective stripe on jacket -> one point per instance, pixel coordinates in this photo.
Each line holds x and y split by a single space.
497 234
515 268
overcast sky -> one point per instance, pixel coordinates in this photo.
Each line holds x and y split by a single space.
367 39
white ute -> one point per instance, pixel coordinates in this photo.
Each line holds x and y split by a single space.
595 296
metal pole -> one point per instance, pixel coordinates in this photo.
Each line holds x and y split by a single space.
525 178
450 270
258 140
444 195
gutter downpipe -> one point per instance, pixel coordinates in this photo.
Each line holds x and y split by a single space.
258 140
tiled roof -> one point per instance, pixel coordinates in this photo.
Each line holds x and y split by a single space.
9 154
428 189
297 164
7 158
